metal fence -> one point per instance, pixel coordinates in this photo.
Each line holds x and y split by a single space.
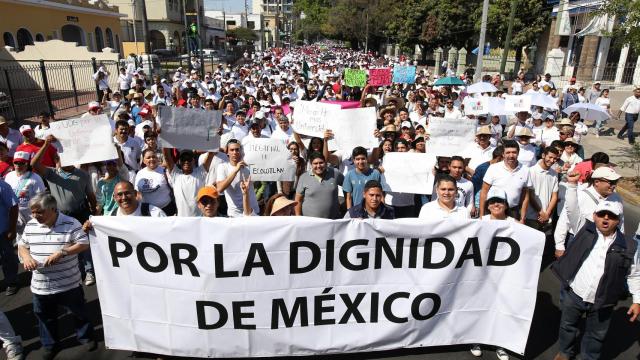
30 87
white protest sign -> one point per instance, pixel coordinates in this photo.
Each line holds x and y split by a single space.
268 159
408 172
289 286
311 117
184 128
448 137
517 103
354 127
476 105
84 140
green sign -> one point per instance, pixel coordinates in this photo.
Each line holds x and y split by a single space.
355 77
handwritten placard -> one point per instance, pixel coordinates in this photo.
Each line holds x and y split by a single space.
268 159
354 127
404 74
184 128
448 136
355 77
380 77
310 117
84 140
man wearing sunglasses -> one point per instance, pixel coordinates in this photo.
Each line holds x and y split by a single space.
594 270
601 187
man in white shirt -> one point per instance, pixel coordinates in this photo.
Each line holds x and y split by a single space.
229 178
604 180
186 179
592 273
240 129
131 150
543 194
481 151
450 111
527 153
512 177
631 108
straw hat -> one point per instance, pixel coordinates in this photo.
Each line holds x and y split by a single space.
564 122
281 203
483 130
524 131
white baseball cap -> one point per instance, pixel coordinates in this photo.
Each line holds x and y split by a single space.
609 206
605 172
496 193
25 128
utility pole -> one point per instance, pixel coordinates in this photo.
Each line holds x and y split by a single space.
186 31
366 35
483 32
507 40
277 31
145 26
135 32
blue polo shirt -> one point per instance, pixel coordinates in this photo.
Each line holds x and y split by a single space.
8 200
354 183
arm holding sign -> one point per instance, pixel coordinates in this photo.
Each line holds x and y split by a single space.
36 165
224 184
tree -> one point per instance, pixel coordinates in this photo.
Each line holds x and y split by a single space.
241 34
315 22
532 18
627 15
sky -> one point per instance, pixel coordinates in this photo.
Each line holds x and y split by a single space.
229 5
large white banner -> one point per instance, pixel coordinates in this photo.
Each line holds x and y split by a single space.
84 140
408 172
268 159
184 128
448 137
278 286
353 127
311 118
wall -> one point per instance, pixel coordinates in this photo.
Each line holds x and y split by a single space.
49 22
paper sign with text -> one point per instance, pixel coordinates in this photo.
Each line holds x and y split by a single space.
408 172
292 286
84 140
268 159
404 74
311 117
184 128
380 77
448 137
476 105
355 77
517 103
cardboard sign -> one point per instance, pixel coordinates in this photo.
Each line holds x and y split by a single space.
184 128
311 117
380 77
268 159
84 140
355 77
404 74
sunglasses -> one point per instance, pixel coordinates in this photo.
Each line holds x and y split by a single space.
610 182
207 201
608 214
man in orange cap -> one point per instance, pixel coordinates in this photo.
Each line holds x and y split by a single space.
208 201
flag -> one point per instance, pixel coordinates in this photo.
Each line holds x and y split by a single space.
305 70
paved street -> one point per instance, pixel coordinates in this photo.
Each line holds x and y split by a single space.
622 342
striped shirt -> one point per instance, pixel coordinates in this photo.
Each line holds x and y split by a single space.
43 241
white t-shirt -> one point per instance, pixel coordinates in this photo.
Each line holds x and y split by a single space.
233 192
527 155
433 211
464 196
478 155
511 181
153 186
154 211
218 158
549 135
185 189
25 187
544 184
488 217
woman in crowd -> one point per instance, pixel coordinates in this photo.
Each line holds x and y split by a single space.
151 182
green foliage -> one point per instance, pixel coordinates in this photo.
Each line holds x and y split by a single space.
242 34
627 14
532 17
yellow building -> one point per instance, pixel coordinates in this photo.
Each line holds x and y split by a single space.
91 23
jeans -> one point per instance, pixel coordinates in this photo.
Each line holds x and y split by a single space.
595 330
9 260
630 120
45 308
7 335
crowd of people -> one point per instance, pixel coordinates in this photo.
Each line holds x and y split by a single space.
530 168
